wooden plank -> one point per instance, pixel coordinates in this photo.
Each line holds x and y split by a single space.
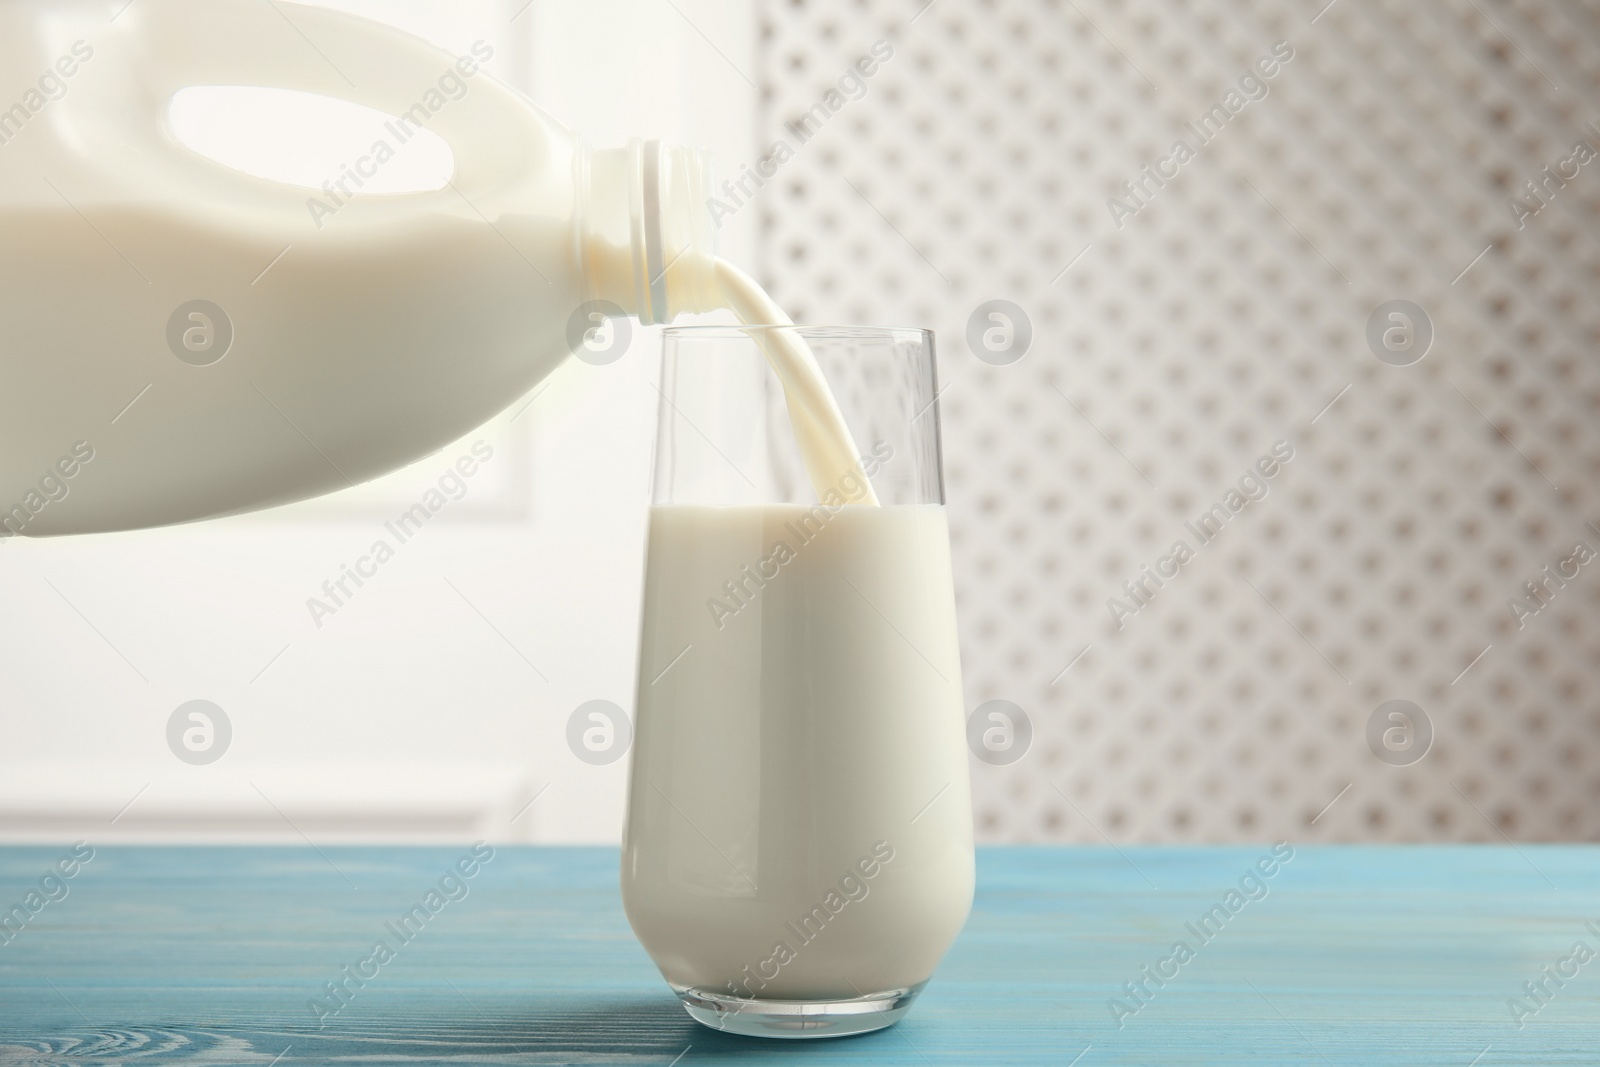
1364 956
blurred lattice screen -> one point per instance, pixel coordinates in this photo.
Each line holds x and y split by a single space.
1226 313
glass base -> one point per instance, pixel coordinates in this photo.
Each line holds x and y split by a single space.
798 1018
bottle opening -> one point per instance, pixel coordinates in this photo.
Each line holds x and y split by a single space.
645 234
309 140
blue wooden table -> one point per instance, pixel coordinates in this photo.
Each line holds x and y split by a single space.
1340 956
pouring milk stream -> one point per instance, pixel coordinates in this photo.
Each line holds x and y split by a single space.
341 336
180 340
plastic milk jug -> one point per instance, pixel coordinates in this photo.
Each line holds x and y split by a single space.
180 339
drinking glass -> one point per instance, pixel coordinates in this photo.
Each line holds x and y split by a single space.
798 850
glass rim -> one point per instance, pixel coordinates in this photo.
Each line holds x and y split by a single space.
808 331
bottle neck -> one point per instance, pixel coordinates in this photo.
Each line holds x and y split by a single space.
644 236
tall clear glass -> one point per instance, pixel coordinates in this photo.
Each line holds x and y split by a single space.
798 851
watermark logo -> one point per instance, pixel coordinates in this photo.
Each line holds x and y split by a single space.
852 888
1399 332
1541 191
1399 733
1539 991
598 332
452 85
851 85
199 732
1251 887
50 87
52 887
1542 590
999 733
599 732
999 332
1138 192
199 333
454 885
452 485
1252 488
741 590
52 487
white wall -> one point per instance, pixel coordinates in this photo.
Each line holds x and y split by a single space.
1170 351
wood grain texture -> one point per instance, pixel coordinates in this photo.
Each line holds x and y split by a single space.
1363 956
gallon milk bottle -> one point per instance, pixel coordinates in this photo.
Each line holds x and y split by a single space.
179 339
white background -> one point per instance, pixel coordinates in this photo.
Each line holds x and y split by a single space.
1168 355
406 715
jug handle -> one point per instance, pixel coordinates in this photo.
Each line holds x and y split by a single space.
494 133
